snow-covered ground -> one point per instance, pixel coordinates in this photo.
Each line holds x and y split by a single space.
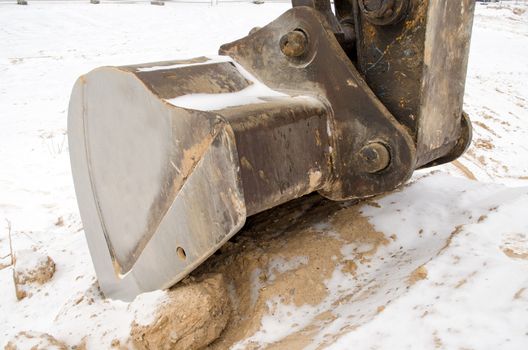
464 228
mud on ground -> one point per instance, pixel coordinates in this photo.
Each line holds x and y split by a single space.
284 256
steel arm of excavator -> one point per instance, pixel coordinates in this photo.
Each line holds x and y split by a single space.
169 158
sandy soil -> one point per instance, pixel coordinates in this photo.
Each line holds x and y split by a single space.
194 316
280 255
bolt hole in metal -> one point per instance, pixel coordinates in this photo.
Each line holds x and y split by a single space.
181 253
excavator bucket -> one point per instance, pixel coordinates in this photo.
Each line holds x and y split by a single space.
169 158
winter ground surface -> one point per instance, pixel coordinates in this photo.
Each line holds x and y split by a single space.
452 269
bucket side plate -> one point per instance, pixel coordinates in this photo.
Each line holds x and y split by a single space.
158 186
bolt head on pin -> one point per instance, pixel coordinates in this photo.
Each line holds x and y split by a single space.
384 12
294 43
374 157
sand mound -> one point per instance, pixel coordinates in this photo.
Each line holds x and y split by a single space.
193 315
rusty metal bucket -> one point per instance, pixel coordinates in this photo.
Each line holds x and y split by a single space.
169 158
159 153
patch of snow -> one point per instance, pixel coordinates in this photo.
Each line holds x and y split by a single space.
28 260
143 305
256 285
473 296
348 250
440 230
282 320
208 60
280 265
256 92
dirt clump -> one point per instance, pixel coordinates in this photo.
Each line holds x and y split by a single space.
31 267
417 275
519 294
194 315
518 11
515 245
484 144
35 341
